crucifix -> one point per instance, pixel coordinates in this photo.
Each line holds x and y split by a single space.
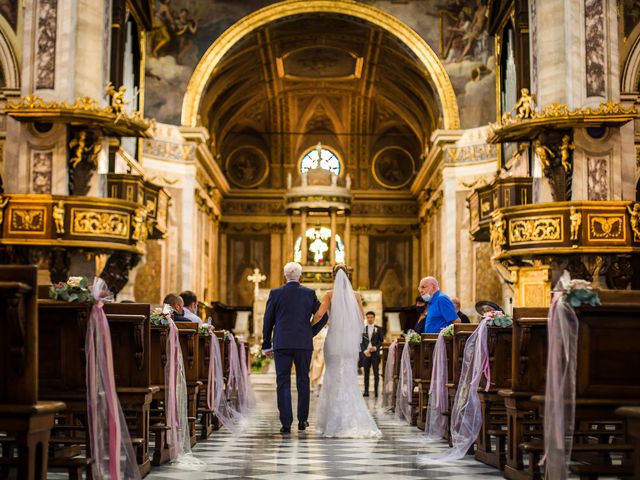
256 278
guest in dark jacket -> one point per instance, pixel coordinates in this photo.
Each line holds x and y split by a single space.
372 340
461 315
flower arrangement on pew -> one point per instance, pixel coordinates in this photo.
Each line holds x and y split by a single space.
161 316
413 338
498 318
258 359
75 289
448 331
578 292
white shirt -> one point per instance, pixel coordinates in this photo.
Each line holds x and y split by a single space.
370 333
192 317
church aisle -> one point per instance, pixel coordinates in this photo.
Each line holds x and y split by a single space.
263 453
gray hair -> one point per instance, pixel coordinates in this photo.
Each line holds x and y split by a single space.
292 271
432 281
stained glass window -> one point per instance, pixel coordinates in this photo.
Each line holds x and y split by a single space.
320 156
318 240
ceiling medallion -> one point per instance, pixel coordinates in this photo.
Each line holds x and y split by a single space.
393 167
247 167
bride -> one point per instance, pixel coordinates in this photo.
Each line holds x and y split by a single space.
342 412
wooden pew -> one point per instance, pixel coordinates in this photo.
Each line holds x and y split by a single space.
461 332
606 345
189 343
157 422
416 371
130 339
208 420
528 374
25 421
632 418
396 371
423 377
494 418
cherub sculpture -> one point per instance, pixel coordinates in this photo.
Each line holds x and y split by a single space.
524 105
544 154
565 147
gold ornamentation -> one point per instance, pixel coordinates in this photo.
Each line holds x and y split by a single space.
497 230
101 223
524 105
32 108
537 229
58 217
79 144
3 203
565 147
634 219
576 221
543 153
485 207
118 103
140 227
28 220
607 227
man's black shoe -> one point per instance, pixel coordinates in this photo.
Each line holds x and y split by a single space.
303 425
285 430
365 394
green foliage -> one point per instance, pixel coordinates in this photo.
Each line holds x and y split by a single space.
76 289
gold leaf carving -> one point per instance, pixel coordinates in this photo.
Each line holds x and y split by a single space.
606 227
87 222
538 229
27 220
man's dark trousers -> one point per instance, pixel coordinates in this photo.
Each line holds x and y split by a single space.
368 362
284 358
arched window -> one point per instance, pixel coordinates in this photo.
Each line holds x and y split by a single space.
320 157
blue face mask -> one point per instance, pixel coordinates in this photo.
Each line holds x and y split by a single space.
426 297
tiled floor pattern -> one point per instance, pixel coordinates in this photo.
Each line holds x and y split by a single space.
263 453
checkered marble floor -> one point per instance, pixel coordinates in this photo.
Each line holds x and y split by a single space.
263 453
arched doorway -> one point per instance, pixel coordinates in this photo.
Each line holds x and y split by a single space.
423 53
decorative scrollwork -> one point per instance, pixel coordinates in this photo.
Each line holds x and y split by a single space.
539 229
606 227
87 222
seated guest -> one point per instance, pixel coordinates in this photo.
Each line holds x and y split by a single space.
177 307
190 306
485 306
462 316
421 308
440 310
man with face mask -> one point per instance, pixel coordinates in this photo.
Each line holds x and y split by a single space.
440 309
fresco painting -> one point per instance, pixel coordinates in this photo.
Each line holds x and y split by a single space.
456 29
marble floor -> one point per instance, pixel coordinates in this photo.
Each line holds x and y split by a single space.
263 453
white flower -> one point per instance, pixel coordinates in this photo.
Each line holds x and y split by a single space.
74 281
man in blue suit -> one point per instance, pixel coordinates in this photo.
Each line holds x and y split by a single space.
288 318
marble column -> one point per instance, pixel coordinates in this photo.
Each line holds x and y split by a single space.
303 231
347 237
288 246
332 242
449 233
578 41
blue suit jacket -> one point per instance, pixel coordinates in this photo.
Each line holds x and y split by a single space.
288 318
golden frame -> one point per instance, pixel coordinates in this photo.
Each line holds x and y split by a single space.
377 156
209 62
260 153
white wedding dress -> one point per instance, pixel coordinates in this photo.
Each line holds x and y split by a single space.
342 412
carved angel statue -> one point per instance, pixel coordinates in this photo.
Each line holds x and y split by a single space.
565 147
58 217
348 181
497 232
576 219
543 153
118 103
140 231
524 105
635 220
